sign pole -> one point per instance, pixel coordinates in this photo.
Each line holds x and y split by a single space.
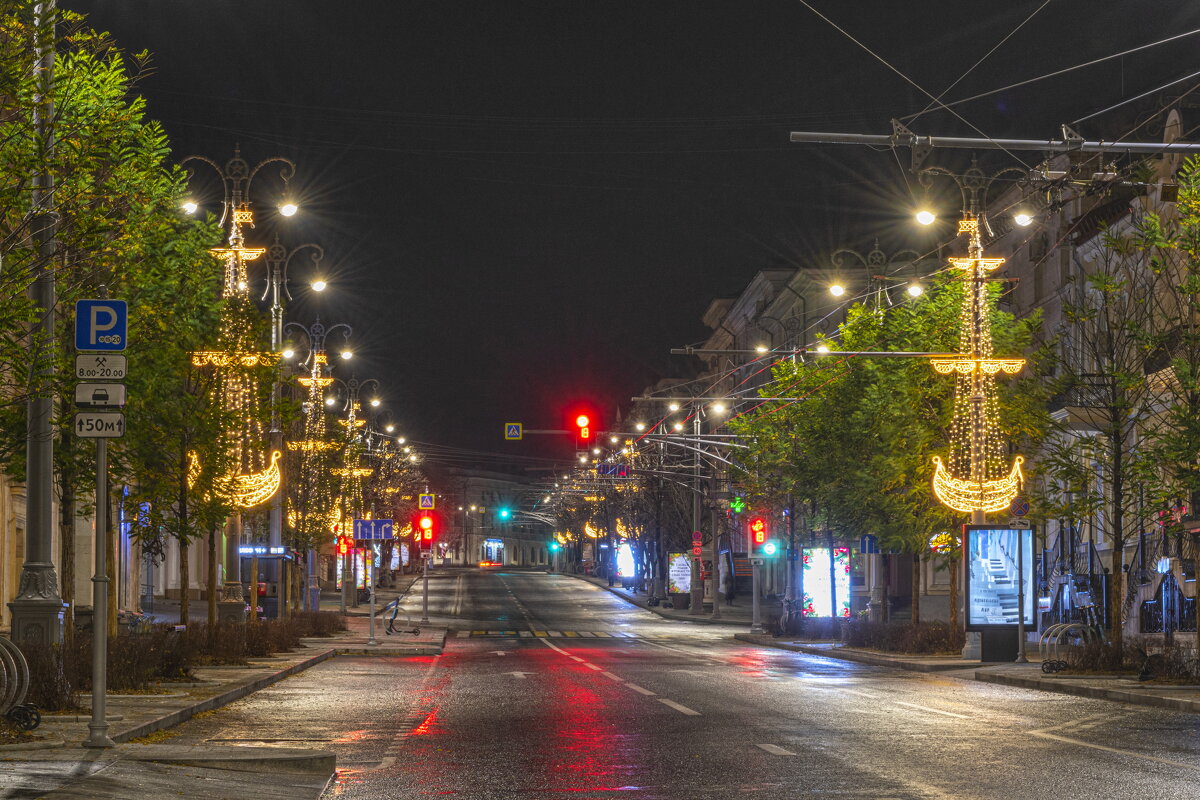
371 573
1021 658
756 625
98 727
425 590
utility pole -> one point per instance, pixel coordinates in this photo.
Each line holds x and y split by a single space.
37 610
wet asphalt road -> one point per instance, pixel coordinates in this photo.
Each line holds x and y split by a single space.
671 710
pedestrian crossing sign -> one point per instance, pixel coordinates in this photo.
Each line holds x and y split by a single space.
512 431
425 502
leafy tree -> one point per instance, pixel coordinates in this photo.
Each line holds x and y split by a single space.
857 448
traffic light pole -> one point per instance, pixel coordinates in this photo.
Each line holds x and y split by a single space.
425 590
756 625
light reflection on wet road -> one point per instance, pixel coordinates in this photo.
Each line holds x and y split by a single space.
684 713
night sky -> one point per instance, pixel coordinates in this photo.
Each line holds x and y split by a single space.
529 203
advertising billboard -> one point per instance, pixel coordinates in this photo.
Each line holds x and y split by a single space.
993 558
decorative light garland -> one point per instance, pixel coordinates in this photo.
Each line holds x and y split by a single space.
975 479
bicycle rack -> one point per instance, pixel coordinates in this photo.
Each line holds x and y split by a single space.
14 685
1056 636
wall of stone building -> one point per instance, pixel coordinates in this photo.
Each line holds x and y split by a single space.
12 544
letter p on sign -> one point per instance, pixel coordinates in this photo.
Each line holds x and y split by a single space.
101 325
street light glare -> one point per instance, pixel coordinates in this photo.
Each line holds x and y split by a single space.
837 290
288 209
319 285
926 217
822 348
1023 219
641 426
189 206
347 355
673 407
375 402
915 290
400 440
678 426
760 349
613 440
329 401
390 428
719 408
289 353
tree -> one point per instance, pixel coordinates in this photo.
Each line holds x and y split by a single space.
857 445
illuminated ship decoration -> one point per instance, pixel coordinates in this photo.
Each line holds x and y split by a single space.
976 476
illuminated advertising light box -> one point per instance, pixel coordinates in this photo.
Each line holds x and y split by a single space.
993 579
679 573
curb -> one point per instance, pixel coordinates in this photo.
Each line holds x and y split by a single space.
217 701
1094 692
704 620
47 744
857 656
241 759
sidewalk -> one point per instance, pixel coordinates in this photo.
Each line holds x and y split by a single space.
1120 689
58 767
739 613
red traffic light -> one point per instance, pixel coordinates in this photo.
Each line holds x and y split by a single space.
584 423
424 529
343 545
758 530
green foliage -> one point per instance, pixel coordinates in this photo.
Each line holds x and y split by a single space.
858 445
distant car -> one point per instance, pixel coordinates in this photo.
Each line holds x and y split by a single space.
490 564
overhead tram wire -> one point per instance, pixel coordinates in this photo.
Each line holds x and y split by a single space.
982 58
1056 73
910 81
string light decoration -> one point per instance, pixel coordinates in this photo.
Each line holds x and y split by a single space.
976 478
255 476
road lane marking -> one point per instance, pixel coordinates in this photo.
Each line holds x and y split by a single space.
610 676
776 750
593 666
861 694
680 708
526 633
458 596
575 658
931 710
1130 753
519 674
641 689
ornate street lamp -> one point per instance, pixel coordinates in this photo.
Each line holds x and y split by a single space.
976 478
255 476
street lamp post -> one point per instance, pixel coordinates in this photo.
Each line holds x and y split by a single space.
278 257
314 441
251 479
352 471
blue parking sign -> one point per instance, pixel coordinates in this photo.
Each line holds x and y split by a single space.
101 325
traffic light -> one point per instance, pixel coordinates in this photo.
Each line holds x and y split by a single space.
343 545
504 513
758 536
555 547
425 528
583 424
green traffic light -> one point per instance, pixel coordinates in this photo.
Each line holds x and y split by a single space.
504 512
770 548
737 505
554 546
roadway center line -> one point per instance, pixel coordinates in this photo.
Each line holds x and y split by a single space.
592 666
931 710
610 676
776 750
861 694
680 708
641 689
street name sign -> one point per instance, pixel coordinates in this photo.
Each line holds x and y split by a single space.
513 431
101 325
100 367
425 502
100 424
100 395
372 530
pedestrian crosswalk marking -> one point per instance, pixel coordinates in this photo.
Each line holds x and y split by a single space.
568 634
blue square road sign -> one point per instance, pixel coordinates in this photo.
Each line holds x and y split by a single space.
101 325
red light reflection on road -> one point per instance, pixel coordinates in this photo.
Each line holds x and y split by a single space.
589 746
